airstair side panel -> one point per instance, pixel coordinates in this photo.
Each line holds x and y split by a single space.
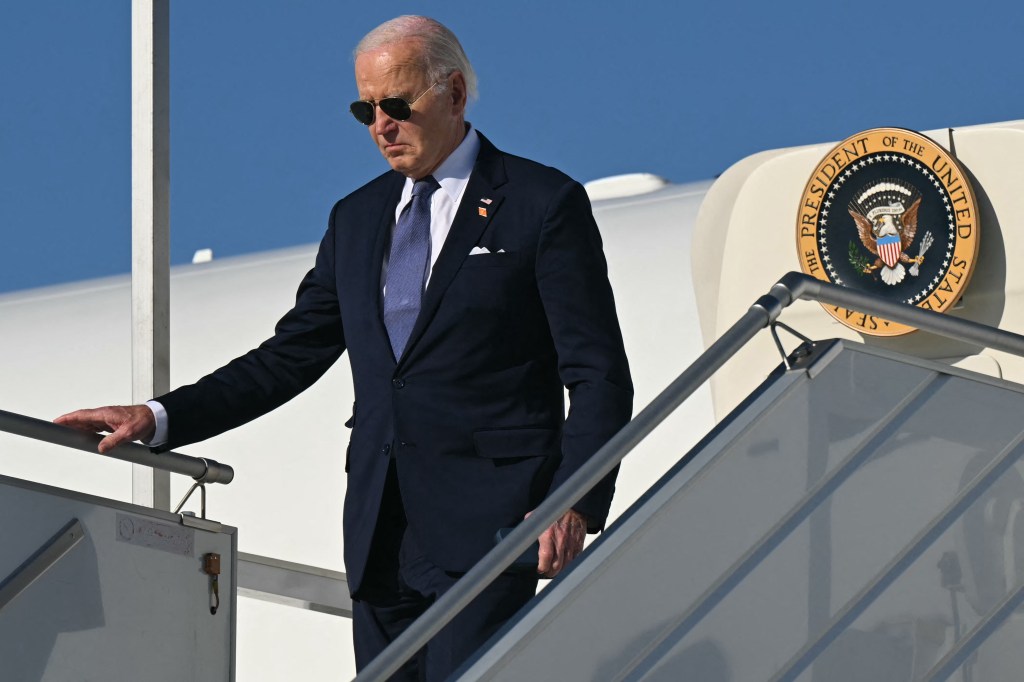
92 589
858 517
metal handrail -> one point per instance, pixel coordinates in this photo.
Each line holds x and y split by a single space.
795 285
201 469
790 288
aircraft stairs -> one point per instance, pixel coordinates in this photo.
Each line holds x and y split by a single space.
855 518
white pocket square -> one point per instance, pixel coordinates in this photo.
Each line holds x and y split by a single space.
478 250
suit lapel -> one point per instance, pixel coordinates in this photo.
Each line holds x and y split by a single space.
380 241
471 219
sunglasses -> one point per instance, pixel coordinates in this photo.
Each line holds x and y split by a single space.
395 107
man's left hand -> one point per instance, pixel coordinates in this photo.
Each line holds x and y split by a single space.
561 543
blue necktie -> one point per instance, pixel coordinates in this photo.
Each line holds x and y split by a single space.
408 265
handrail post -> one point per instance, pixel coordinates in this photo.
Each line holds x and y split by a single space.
150 225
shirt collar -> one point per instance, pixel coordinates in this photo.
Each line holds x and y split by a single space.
453 173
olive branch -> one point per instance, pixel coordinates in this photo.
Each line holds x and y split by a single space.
857 259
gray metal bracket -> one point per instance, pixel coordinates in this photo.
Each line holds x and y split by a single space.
803 350
284 582
202 497
45 558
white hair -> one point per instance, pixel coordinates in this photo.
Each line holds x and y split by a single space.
442 52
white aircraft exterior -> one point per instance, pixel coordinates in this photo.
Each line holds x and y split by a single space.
685 260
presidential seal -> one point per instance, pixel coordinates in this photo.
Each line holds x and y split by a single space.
890 212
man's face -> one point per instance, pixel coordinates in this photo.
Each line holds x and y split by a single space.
417 146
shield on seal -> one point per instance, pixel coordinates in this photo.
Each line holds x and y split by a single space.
889 249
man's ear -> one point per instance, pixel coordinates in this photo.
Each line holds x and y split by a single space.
457 93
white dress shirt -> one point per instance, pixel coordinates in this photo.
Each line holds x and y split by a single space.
453 176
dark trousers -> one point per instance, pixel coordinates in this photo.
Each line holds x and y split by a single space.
400 584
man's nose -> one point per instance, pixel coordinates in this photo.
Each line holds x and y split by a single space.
382 123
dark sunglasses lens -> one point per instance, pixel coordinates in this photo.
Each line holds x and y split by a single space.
363 111
396 107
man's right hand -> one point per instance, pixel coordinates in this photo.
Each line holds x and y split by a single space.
124 423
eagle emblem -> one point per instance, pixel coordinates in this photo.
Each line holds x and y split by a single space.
886 216
889 212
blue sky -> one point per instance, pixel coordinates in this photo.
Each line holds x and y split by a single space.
262 143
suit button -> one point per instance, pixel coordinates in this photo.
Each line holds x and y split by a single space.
398 383
386 450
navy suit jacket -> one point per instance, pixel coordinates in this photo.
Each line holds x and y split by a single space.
473 414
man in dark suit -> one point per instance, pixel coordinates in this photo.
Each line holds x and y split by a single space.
469 288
